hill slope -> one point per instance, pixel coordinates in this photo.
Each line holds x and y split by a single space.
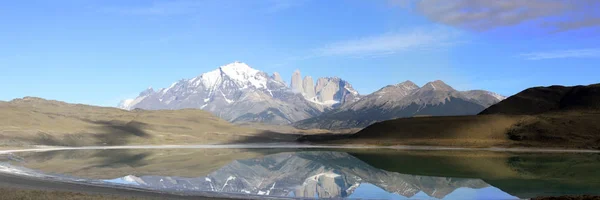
38 121
565 117
545 99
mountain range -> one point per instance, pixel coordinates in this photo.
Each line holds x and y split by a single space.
547 117
239 93
403 100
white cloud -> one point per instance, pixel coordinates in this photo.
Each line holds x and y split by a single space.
481 15
159 8
571 53
281 5
392 43
187 7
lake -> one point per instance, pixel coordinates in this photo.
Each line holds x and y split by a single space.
321 173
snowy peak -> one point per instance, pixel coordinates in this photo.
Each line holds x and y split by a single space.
437 85
240 73
147 92
234 92
239 70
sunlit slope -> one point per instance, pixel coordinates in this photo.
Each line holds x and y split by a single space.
550 117
39 121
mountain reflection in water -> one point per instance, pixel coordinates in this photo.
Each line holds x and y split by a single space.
325 173
320 174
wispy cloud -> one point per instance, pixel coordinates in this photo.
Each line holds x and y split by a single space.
481 15
281 5
392 43
571 53
159 8
186 7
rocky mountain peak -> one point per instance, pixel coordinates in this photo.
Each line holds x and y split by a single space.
234 92
409 85
437 85
277 77
333 90
405 99
296 83
240 93
308 86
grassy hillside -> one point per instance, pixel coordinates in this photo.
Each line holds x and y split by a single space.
548 99
30 121
549 130
548 117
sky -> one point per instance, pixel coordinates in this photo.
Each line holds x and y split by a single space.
100 52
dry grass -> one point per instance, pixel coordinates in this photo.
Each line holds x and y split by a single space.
36 121
291 129
23 194
573 129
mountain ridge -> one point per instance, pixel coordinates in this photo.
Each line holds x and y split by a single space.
551 117
405 99
537 100
239 93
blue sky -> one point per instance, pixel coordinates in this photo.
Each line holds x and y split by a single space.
101 51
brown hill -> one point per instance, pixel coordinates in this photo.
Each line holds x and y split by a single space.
546 99
36 121
548 117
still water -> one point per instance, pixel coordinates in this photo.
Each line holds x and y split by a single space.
323 173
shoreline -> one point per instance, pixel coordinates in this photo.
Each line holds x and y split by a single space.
42 148
46 186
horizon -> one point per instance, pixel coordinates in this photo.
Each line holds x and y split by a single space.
103 52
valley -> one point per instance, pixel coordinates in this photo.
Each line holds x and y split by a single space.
244 105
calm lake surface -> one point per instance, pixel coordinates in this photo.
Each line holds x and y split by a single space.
322 173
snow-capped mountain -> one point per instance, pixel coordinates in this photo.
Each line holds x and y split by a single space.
239 93
235 92
405 99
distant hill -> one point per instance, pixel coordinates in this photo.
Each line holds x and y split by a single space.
405 99
547 117
36 121
546 99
